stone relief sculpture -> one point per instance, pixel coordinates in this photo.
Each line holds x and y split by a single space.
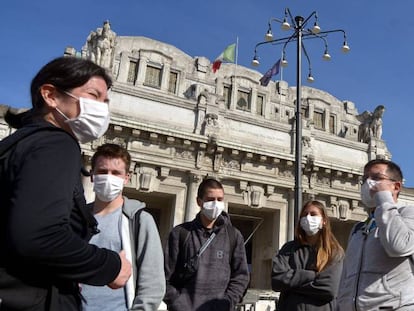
99 45
208 108
376 123
371 124
253 196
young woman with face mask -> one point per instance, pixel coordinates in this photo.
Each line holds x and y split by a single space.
307 270
44 223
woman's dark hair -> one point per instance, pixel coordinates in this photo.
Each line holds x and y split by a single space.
65 73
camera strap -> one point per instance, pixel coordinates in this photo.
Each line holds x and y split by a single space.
206 244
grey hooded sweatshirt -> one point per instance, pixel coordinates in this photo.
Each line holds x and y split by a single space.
141 242
378 266
222 276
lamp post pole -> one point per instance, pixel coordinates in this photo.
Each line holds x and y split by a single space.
298 120
300 32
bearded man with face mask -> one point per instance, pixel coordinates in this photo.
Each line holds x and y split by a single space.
206 269
378 265
124 227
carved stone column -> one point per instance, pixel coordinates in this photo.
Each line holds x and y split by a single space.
192 208
291 215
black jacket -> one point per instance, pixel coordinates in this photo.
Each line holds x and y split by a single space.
45 225
221 278
300 286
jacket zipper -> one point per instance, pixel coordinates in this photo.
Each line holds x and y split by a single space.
365 233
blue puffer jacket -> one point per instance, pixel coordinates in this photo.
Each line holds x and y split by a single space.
378 265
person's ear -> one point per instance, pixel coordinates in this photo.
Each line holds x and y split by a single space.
50 95
126 179
199 202
398 186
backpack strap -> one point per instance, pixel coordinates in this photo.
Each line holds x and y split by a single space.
231 232
183 237
137 226
358 227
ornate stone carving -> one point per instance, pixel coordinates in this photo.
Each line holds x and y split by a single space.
371 124
146 178
145 181
184 154
99 45
253 195
341 209
218 159
232 164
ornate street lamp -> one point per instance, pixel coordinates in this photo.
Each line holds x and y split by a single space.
300 32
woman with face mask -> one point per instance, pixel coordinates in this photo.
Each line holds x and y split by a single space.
44 223
307 270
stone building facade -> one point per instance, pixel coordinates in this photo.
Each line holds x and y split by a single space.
181 122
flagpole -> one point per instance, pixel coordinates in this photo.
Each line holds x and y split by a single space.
237 49
237 56
235 69
281 69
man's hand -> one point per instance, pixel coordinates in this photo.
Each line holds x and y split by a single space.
124 273
383 185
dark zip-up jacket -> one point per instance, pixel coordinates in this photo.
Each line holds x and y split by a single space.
300 286
44 226
222 277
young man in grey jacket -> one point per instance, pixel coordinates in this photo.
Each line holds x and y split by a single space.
125 227
378 265
216 279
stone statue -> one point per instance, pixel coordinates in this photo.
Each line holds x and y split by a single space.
99 45
376 122
371 124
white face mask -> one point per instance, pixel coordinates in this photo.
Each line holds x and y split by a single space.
212 209
92 121
107 186
366 197
311 224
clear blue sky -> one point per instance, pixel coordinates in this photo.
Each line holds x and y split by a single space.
377 71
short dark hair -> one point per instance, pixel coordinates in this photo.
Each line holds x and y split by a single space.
208 183
393 170
112 151
65 73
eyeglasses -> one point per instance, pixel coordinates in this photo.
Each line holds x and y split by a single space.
377 177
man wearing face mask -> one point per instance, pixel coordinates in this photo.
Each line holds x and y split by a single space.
205 259
377 273
124 226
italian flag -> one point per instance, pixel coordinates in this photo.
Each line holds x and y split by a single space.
228 55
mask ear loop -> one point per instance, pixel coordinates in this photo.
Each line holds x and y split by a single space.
71 95
62 114
59 111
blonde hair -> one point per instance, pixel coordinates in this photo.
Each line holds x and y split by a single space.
328 247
